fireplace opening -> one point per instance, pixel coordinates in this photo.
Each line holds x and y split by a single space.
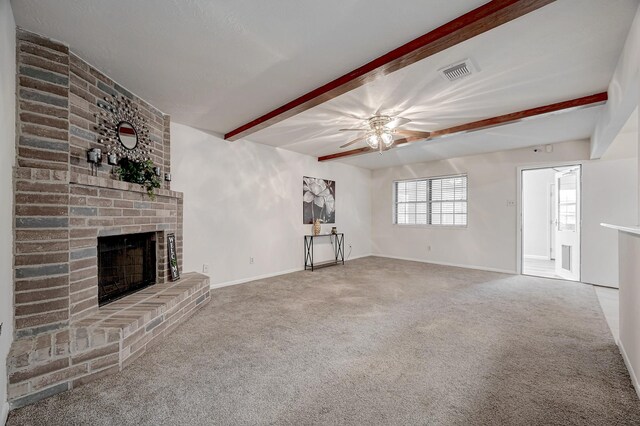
126 263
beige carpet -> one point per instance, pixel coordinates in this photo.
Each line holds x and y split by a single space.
376 341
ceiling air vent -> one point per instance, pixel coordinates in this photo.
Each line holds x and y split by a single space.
458 70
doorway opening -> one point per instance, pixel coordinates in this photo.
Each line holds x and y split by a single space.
551 222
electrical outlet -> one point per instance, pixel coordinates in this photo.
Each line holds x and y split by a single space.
251 261
511 203
205 269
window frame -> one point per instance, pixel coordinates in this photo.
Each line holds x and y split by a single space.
394 209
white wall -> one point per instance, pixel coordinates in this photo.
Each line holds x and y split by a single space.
629 252
610 195
624 96
629 340
623 92
244 200
7 158
536 213
489 241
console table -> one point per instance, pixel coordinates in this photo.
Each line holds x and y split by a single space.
337 241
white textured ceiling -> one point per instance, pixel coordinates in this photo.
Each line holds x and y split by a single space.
217 64
545 130
562 51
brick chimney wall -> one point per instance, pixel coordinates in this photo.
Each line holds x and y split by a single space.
61 208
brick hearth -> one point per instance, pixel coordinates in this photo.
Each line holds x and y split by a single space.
62 338
104 343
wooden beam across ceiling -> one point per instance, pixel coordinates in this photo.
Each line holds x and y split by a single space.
482 19
555 108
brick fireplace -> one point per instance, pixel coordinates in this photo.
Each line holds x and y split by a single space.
63 336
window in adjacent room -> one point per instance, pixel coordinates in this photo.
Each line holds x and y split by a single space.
438 201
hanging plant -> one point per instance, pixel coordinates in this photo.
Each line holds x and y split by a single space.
140 172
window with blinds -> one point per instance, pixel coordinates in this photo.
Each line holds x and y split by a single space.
440 201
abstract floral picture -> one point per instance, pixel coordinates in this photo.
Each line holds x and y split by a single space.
318 200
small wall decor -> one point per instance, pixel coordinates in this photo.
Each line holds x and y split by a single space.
112 159
318 200
124 132
122 129
94 156
173 257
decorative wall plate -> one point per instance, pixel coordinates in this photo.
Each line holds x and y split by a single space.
123 129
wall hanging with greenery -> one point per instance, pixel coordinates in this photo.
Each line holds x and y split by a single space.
140 172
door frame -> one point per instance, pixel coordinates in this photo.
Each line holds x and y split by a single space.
519 210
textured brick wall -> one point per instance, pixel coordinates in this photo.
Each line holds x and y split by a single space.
60 208
62 338
41 278
87 88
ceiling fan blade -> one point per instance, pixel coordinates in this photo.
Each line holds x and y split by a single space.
414 133
354 130
397 122
353 141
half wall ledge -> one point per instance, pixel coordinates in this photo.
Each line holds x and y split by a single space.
629 229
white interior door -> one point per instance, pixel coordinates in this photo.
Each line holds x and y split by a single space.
567 252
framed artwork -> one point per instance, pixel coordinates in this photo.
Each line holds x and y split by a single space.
173 257
318 200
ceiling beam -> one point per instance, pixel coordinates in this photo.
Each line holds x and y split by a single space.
556 108
484 18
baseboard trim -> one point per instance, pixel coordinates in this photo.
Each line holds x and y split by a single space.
602 285
536 257
456 265
271 275
255 278
632 373
5 413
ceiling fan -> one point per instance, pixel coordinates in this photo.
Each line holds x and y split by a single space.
383 131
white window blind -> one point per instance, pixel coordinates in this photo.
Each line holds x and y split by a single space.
432 201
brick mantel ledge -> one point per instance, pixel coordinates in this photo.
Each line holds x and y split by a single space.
101 182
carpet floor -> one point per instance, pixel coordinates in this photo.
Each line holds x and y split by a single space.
377 341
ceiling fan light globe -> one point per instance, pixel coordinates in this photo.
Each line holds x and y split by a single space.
387 139
373 141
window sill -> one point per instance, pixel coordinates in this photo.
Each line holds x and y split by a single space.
456 227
